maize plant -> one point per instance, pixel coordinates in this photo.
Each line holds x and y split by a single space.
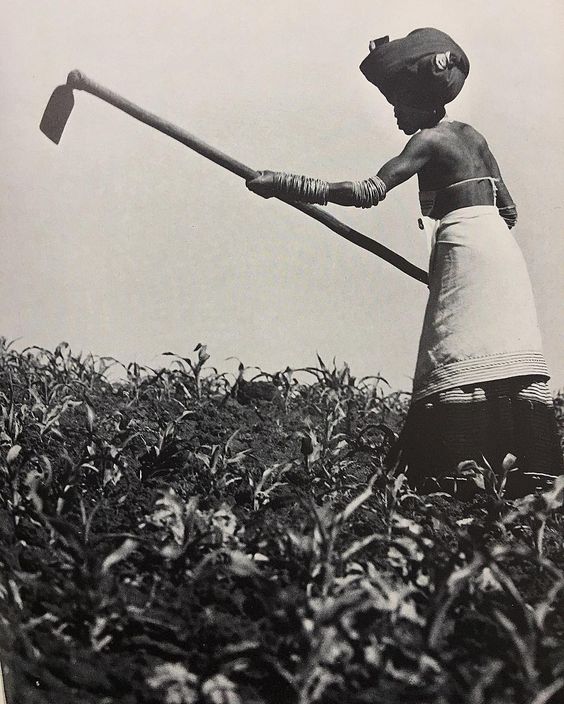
174 535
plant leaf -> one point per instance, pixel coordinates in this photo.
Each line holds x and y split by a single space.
13 454
121 553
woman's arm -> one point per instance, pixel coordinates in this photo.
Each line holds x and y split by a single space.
399 169
412 159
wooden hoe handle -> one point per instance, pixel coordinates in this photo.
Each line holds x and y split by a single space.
79 81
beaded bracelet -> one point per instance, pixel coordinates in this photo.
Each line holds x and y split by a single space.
369 192
314 190
302 188
509 214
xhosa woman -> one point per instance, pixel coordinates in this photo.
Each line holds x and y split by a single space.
480 385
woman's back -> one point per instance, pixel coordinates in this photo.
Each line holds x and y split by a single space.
460 157
459 152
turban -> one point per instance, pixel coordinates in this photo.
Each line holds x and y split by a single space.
426 69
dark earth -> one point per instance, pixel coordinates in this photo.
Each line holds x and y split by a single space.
181 536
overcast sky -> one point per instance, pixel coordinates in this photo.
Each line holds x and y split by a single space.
125 243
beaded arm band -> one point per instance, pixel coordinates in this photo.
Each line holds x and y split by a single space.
314 190
509 214
369 192
302 188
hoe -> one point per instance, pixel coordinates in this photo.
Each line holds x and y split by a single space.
60 106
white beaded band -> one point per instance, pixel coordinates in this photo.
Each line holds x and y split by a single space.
301 188
369 192
509 214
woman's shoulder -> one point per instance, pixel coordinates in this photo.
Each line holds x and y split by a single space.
457 135
462 129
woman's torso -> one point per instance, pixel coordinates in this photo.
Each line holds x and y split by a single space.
461 172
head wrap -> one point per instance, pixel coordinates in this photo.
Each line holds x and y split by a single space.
426 69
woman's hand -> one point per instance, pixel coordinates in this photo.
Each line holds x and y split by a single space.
263 184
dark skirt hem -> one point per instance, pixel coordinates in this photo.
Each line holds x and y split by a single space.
438 436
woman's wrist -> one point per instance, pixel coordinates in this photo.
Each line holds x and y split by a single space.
509 214
300 188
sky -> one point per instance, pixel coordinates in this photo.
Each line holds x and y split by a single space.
125 243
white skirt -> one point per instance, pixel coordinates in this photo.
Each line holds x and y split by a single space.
480 322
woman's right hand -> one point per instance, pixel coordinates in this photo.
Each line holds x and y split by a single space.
263 184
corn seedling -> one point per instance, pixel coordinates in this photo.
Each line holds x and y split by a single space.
177 542
195 367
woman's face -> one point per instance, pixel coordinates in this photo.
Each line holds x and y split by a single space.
410 120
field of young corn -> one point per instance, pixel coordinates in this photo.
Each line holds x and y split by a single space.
180 536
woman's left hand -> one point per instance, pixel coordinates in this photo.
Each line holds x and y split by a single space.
263 184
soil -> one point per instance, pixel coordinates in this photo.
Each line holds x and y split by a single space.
176 537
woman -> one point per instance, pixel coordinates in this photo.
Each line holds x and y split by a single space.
480 386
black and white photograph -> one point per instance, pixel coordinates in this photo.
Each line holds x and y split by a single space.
281 352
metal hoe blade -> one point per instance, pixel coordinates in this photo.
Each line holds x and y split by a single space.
57 113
